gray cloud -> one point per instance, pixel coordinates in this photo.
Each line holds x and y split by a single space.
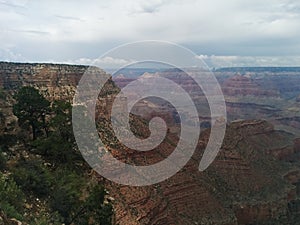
14 5
68 18
37 32
72 30
248 61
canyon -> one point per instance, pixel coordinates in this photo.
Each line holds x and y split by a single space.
255 178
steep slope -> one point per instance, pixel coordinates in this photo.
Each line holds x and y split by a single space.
244 185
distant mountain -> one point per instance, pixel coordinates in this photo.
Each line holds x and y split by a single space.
258 69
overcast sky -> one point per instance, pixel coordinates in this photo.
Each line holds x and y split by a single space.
222 32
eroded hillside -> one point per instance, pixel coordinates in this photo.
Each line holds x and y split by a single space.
254 180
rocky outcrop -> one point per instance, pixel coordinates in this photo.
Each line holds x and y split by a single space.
122 81
242 85
54 80
290 121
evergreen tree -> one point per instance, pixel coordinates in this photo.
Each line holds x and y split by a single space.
31 109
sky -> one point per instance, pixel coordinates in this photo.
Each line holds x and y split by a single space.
223 33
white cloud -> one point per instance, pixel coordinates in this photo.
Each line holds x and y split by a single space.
234 27
105 62
248 61
210 60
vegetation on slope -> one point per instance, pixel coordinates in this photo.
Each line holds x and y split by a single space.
43 178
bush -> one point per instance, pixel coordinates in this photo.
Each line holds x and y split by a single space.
10 211
33 177
2 161
7 140
56 150
11 198
46 219
96 209
78 202
66 193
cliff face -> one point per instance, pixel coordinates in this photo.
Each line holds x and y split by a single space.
232 84
55 81
244 185
242 85
273 96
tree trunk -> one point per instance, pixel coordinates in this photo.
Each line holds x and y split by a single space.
33 131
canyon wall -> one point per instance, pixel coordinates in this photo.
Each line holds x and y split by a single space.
252 181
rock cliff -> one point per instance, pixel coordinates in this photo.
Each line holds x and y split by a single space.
246 184
54 80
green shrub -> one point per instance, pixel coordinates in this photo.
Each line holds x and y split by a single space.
10 211
7 140
33 177
96 209
66 193
56 150
2 161
46 219
79 202
11 198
